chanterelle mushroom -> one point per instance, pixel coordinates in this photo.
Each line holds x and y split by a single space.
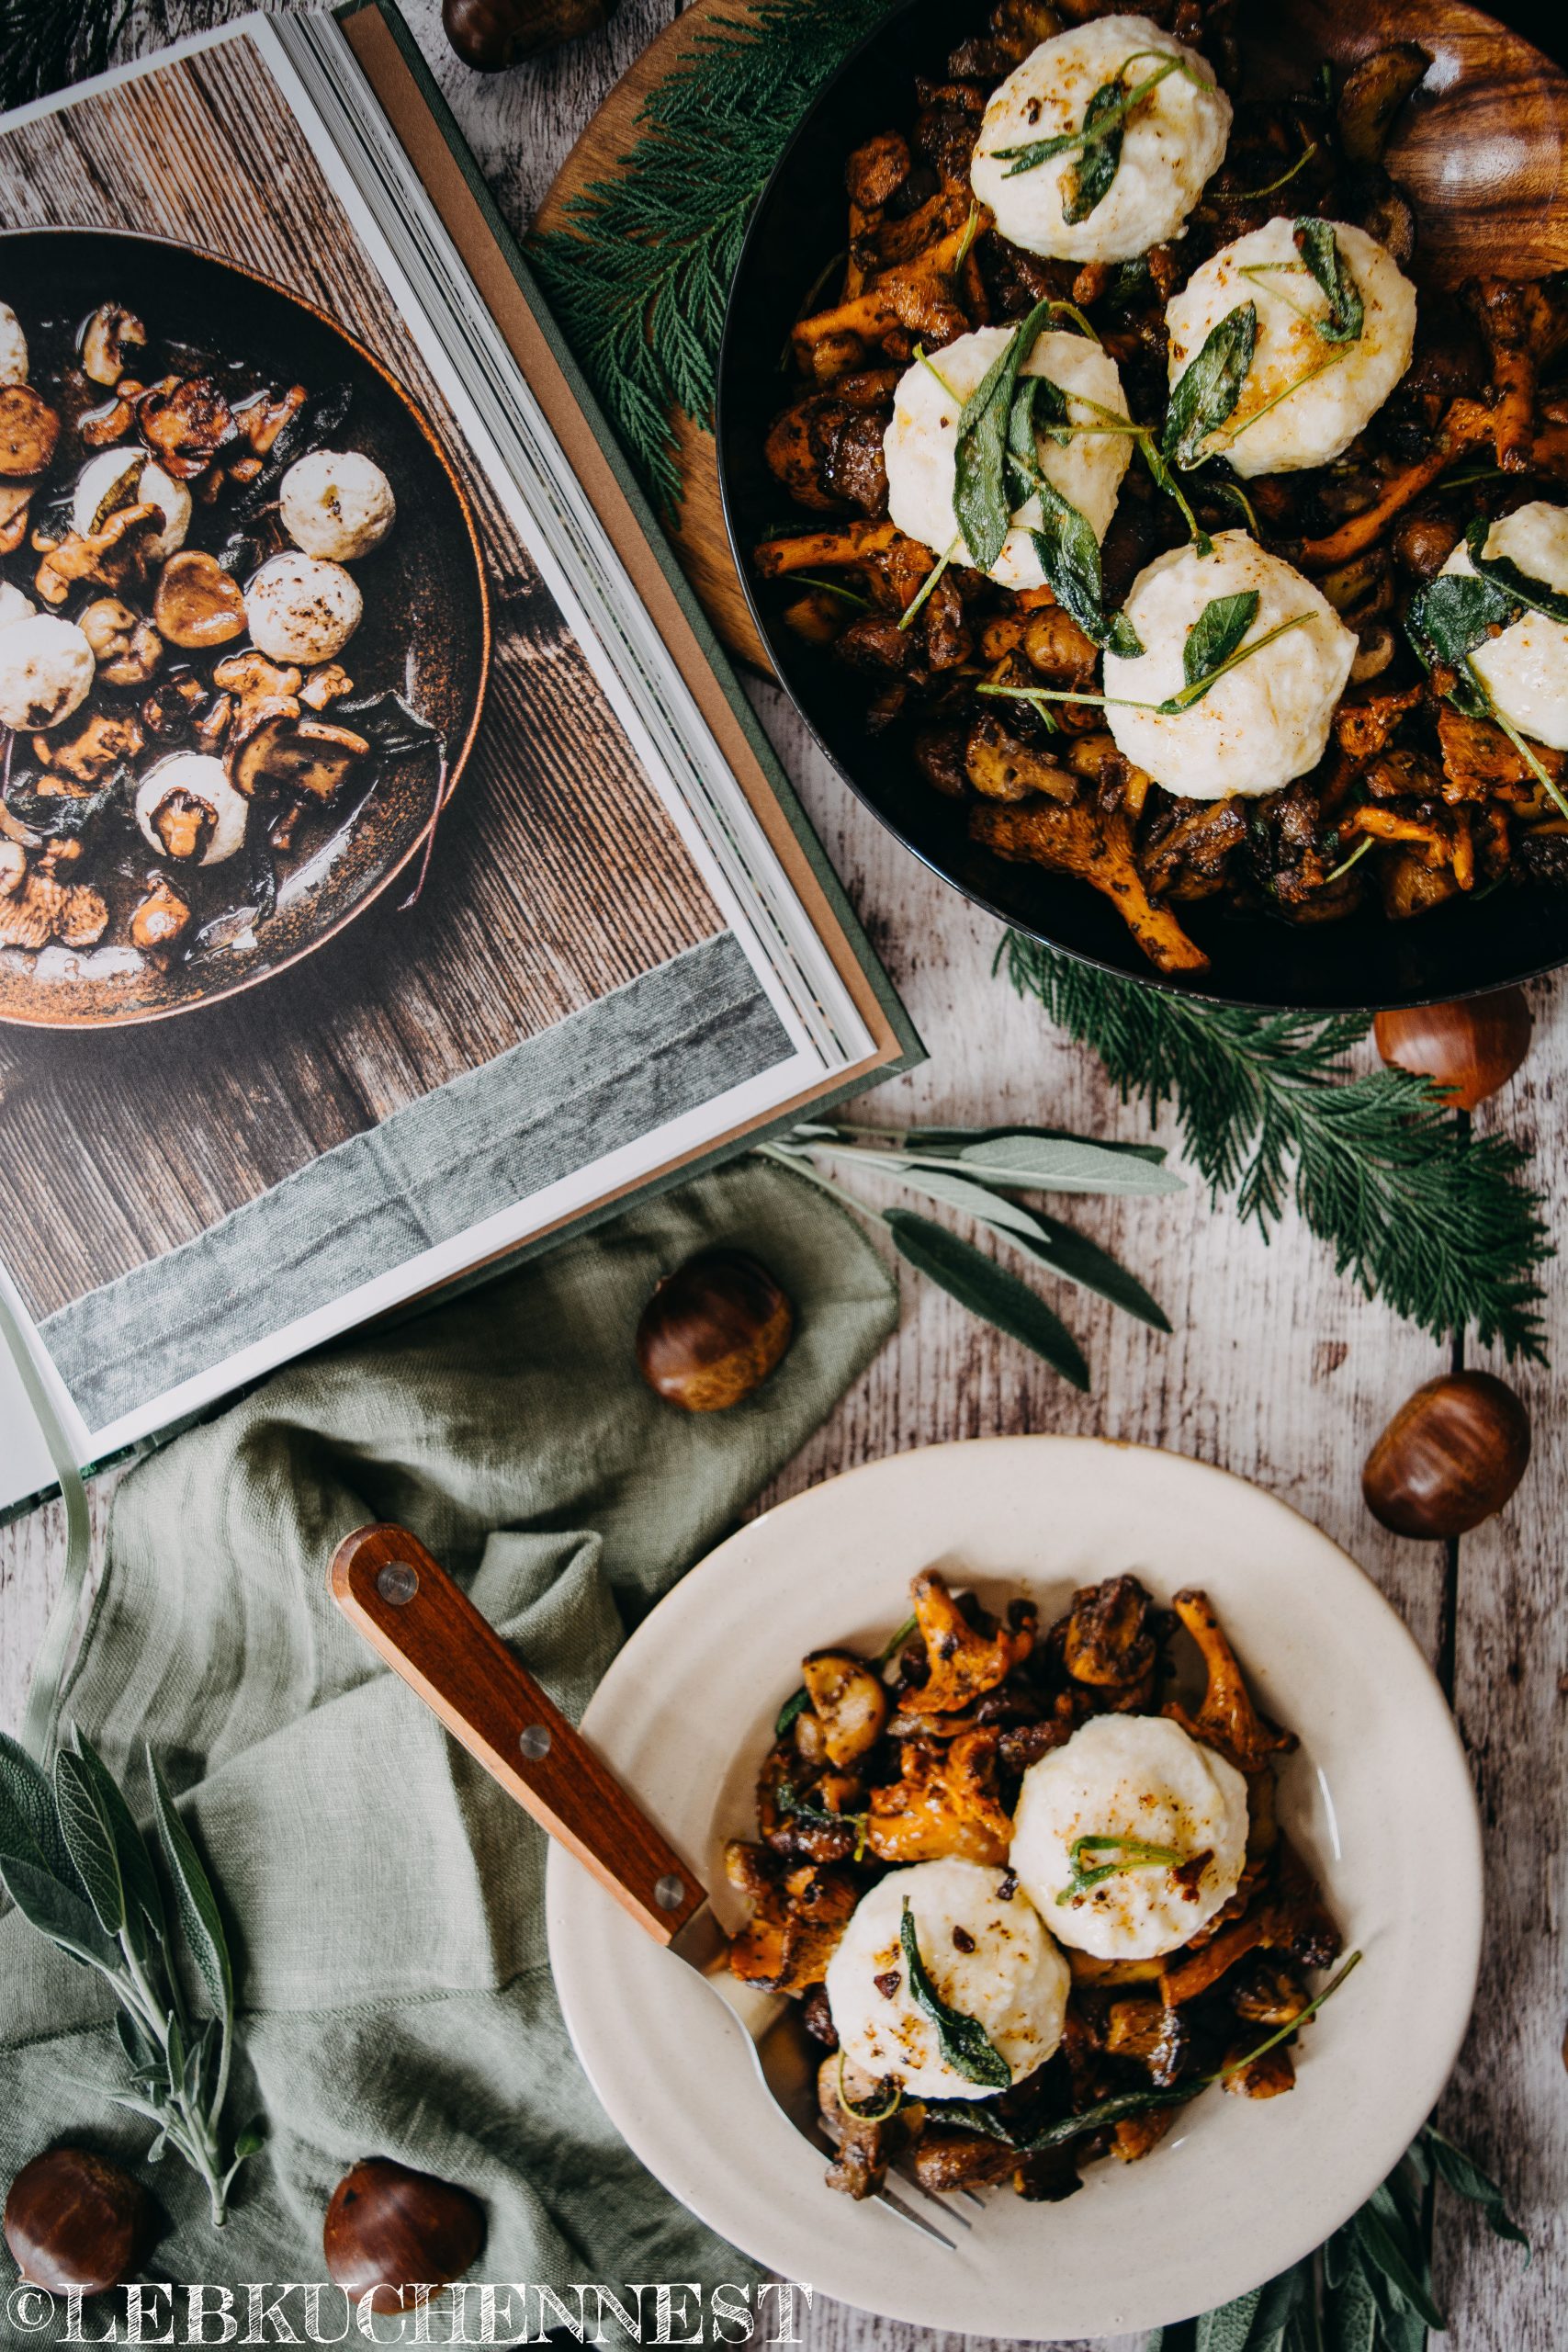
160 919
106 741
111 335
29 430
262 689
965 1663
184 423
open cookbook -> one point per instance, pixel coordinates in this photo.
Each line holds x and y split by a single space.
390 871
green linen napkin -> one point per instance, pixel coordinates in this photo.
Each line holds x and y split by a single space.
387 1895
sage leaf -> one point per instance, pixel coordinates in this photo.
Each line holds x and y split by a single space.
964 2044
58 1912
1448 619
987 1290
1382 2249
1318 246
1464 2176
140 1879
979 492
1352 2312
1507 576
29 1825
1217 633
795 1704
955 1139
252 2139
90 1842
1070 557
1066 1165
1229 2329
201 1922
1209 386
974 1200
1088 185
1078 1260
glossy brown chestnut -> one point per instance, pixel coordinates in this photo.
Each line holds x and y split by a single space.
1471 1048
1451 1457
490 35
387 2228
712 1331
73 2220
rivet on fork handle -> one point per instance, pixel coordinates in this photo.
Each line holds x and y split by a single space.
412 1613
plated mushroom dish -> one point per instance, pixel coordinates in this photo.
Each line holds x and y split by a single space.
1167 518
182 737
1031 1902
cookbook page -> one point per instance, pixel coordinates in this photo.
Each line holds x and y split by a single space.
337 958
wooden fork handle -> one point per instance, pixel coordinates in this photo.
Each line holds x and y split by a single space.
428 1631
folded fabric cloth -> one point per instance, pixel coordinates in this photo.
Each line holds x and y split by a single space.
386 1896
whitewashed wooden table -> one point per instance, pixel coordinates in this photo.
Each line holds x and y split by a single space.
1276 1369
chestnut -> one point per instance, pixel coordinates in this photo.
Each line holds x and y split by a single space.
712 1331
73 2220
388 2229
1469 1049
490 35
1451 1457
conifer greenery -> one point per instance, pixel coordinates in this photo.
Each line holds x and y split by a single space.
639 281
1438 1222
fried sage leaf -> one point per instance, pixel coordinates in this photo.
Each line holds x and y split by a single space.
1318 246
1208 388
1215 634
1064 538
979 487
1448 619
1507 576
964 2044
1100 159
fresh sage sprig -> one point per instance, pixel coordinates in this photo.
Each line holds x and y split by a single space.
964 2044
1370 2287
1206 393
1447 621
976 1169
1319 245
979 486
1064 538
1132 1854
78 1868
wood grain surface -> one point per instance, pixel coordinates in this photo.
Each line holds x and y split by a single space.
541 897
1276 1369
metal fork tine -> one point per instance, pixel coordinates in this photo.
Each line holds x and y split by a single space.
896 2204
943 2206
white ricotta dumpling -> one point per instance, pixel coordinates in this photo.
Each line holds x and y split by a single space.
153 488
14 605
1172 142
1524 670
301 609
985 1955
921 444
1262 723
187 808
46 671
12 347
1140 1777
337 503
1319 420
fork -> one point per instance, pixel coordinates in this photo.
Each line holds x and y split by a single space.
427 1630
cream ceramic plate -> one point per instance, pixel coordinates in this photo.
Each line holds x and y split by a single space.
1379 1795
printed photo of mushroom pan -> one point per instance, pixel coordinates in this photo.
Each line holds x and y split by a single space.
1178 553
243 628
